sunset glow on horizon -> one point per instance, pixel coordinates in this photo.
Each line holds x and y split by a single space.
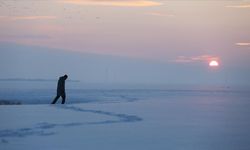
178 34
130 28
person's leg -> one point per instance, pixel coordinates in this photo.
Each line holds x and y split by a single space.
63 98
56 98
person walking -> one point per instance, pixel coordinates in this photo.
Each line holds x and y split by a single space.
61 89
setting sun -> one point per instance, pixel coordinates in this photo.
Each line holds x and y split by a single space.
213 63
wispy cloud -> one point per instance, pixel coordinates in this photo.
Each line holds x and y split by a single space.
160 14
27 17
193 59
238 6
118 3
3 17
26 36
243 44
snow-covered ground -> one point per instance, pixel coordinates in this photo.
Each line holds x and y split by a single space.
175 123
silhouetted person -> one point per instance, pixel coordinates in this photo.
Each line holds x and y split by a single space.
61 89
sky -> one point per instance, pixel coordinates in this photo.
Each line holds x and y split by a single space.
149 41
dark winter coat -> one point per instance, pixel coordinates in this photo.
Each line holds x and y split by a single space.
61 86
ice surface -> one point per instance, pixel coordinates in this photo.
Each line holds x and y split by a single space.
124 118
185 122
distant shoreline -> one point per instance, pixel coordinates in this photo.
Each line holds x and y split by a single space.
10 102
33 80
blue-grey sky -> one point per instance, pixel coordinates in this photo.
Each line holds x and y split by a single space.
127 41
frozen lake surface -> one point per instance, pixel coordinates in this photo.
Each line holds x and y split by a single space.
127 119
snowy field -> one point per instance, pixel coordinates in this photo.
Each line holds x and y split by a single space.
175 120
